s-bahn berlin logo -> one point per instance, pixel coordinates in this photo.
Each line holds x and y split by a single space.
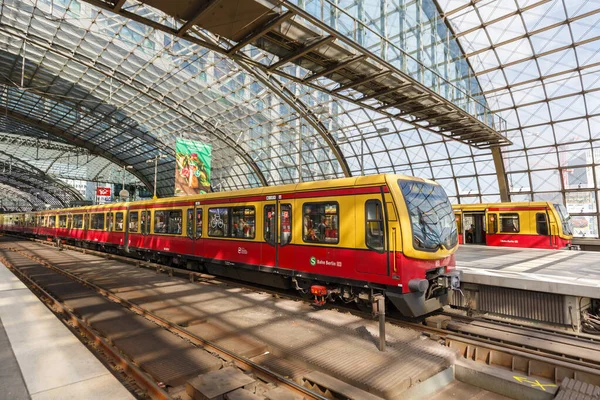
313 261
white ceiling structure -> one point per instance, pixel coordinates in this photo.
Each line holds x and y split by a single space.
121 91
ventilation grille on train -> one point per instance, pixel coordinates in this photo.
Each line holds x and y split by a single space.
547 307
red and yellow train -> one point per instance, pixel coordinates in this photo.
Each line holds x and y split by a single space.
539 224
348 239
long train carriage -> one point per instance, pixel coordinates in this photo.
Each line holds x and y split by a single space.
349 238
534 225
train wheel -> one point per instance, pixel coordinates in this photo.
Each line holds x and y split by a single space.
364 307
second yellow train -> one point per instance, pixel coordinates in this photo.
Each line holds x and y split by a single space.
540 224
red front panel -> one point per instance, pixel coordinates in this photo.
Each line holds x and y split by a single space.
528 241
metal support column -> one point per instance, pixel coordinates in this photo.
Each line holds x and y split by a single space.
500 174
379 310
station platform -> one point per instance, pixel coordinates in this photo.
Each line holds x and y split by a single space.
545 285
40 358
566 272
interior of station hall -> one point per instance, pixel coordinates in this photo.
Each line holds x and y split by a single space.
90 93
299 199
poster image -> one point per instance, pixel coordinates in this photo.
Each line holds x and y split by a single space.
192 172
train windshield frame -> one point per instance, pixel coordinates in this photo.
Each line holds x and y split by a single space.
431 216
565 219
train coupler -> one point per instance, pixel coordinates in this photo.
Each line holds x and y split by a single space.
450 280
320 293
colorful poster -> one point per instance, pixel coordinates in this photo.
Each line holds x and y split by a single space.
192 173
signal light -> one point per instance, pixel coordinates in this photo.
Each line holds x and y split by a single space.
318 290
320 293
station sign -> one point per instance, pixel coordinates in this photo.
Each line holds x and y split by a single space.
103 191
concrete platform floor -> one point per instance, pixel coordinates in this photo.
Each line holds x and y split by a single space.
567 272
339 344
463 391
40 358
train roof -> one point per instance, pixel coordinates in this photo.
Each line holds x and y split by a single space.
520 204
361 181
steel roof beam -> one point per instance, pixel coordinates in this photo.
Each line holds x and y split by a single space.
366 79
44 175
72 139
334 68
149 138
301 52
255 35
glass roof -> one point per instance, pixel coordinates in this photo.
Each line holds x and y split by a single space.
123 92
538 67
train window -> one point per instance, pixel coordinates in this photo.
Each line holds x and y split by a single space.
62 221
51 221
509 223
160 225
492 224
109 221
174 222
218 222
243 222
97 221
541 224
41 221
269 225
86 221
133 221
69 221
119 221
190 222
167 221
198 223
285 224
320 223
374 225
78 221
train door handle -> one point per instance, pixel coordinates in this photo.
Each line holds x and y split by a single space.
394 249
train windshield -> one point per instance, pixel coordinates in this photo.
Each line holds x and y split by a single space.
431 215
565 219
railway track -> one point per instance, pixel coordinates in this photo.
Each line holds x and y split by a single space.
541 352
564 344
150 385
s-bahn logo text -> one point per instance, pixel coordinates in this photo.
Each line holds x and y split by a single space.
242 250
314 261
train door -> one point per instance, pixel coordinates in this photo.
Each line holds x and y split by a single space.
270 248
492 228
474 228
194 229
126 226
285 252
145 223
374 260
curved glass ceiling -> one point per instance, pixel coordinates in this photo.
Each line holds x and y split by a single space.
538 64
127 91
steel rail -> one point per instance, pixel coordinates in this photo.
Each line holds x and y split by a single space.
241 361
442 333
143 380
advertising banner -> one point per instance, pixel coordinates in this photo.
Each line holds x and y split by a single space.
192 172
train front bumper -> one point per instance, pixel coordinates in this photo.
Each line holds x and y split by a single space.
415 303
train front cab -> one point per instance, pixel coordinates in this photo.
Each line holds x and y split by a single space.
540 225
425 268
